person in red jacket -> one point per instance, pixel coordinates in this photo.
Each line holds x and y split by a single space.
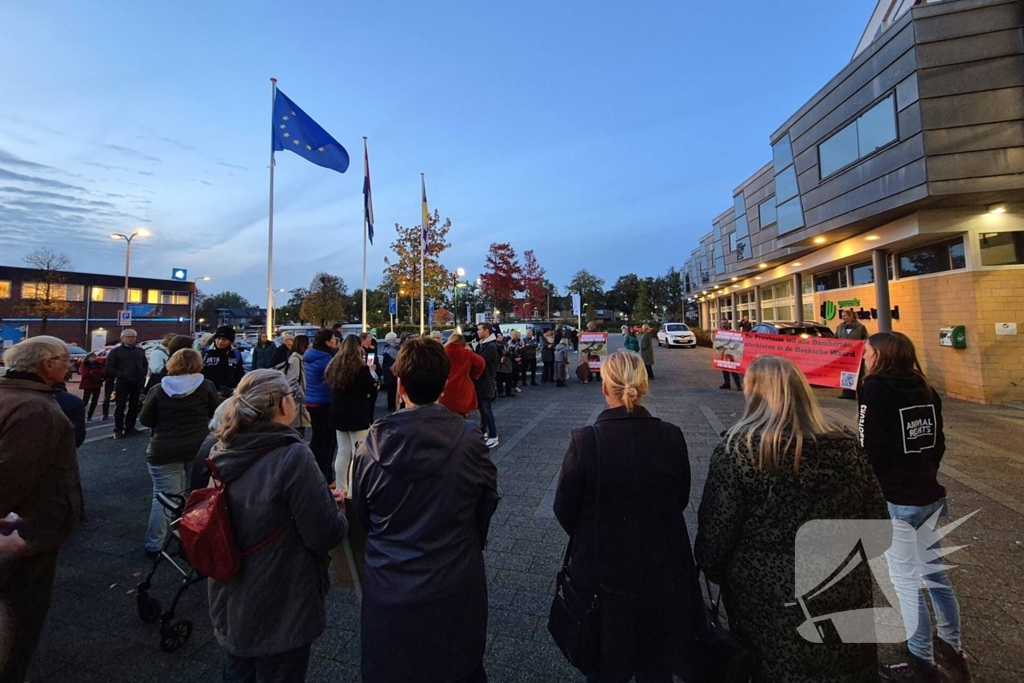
459 393
93 373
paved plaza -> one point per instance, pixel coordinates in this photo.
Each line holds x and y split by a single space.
94 633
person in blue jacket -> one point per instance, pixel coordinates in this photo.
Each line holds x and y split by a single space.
318 400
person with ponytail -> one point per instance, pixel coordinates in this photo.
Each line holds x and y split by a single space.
268 615
900 427
780 466
624 486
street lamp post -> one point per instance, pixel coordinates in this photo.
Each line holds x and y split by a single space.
459 272
273 299
192 319
141 232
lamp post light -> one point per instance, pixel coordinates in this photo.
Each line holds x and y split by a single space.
459 272
192 320
141 232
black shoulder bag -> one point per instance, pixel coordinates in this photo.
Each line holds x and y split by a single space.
721 658
574 621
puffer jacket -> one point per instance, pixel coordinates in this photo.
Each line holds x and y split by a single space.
178 410
276 603
316 359
127 363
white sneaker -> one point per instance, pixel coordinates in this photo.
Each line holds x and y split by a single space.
492 442
519 390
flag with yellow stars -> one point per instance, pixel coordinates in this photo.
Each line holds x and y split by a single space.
295 130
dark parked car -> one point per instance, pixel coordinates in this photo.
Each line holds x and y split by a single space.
802 330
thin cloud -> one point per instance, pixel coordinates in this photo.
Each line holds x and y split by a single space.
36 180
106 167
227 165
11 160
132 153
146 173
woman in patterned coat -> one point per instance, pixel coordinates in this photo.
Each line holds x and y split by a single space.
780 466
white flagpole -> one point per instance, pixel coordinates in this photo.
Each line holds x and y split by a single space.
270 227
366 230
423 253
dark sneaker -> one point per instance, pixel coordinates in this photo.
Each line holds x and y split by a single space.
119 435
152 554
132 431
952 662
724 386
913 671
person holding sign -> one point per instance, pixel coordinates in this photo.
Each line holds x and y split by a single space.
851 328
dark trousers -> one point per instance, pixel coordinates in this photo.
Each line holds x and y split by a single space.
127 395
479 675
505 382
528 365
373 403
735 378
26 586
91 397
650 371
487 424
284 667
323 441
547 371
392 397
108 390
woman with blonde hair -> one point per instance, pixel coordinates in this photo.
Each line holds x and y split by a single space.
624 485
780 466
268 615
177 410
352 386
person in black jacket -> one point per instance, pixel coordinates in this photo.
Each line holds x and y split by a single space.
425 489
900 425
529 358
547 356
178 411
74 408
369 344
486 384
624 486
127 365
352 387
222 364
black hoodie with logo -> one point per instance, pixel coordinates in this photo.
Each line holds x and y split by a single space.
900 427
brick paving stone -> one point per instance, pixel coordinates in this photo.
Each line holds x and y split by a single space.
94 633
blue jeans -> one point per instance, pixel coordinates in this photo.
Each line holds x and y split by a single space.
168 478
908 559
487 425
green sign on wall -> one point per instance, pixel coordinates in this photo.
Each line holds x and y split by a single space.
849 303
828 310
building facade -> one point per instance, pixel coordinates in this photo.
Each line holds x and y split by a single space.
91 303
898 191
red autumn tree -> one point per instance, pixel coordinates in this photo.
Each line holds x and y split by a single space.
500 281
533 284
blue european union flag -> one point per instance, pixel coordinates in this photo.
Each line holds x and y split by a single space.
296 131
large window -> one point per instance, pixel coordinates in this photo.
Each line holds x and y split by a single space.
116 295
997 249
833 279
785 185
766 212
862 273
790 212
52 292
155 296
870 131
5 289
777 302
935 258
791 216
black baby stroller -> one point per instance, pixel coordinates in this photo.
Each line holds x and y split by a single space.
173 634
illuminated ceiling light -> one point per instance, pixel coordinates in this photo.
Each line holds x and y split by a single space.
797 264
762 265
872 238
819 240
716 286
997 208
758 277
734 279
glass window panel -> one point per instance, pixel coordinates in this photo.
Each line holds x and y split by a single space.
75 293
742 229
720 266
956 255
153 296
768 314
782 154
838 151
766 211
834 279
783 290
808 311
740 204
5 290
135 296
997 249
742 248
732 241
877 126
934 258
862 273
805 286
785 184
791 216
783 312
717 241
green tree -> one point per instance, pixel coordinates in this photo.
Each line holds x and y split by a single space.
403 267
291 311
50 296
591 289
643 303
325 302
675 294
210 304
624 293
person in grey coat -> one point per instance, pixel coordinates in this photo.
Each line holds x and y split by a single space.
267 616
647 350
851 328
425 489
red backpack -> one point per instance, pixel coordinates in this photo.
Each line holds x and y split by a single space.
207 535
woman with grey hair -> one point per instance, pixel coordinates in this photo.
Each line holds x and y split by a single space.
267 616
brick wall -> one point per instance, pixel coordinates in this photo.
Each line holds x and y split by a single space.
991 368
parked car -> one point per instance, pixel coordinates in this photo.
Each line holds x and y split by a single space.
802 330
676 334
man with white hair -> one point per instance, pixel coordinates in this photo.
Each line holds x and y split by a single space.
128 365
40 494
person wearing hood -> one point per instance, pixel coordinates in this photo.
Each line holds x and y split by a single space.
781 466
158 362
322 440
178 411
267 616
425 488
222 364
900 427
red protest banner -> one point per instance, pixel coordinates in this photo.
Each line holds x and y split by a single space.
825 362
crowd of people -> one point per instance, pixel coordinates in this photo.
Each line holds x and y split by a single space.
420 481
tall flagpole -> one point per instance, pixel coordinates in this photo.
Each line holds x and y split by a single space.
270 227
365 233
423 253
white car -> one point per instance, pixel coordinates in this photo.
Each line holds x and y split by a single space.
676 334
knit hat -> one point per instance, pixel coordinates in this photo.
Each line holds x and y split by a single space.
225 331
